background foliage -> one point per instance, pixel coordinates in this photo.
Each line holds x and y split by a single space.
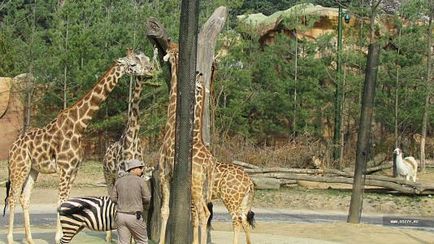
262 95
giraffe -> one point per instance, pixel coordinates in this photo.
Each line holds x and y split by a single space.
167 150
235 188
225 181
202 165
127 147
56 148
200 213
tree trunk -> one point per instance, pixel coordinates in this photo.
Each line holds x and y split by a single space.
364 133
429 84
365 120
205 56
338 93
294 121
65 68
179 224
396 129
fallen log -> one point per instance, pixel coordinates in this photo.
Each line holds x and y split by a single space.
281 170
381 181
245 165
378 168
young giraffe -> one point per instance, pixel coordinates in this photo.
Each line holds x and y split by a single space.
56 148
227 182
128 147
200 213
235 188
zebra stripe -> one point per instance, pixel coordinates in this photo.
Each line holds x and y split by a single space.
95 213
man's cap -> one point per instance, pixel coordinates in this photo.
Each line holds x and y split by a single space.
134 163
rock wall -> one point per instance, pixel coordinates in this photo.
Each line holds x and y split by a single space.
11 115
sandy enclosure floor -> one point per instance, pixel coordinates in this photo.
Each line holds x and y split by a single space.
309 197
265 232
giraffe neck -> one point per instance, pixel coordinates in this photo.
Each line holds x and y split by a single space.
198 111
83 110
171 109
131 133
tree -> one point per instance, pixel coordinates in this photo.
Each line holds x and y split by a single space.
366 115
429 84
180 196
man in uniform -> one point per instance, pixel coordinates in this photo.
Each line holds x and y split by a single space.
131 194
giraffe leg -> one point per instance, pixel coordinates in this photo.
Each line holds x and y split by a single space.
195 223
17 180
237 226
12 199
66 180
204 216
25 203
246 227
109 180
164 209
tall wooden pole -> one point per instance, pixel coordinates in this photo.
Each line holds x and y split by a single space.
179 225
364 132
338 92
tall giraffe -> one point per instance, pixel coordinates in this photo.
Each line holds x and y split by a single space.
166 161
127 147
225 181
202 165
56 148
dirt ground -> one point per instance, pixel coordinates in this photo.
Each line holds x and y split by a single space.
272 233
320 198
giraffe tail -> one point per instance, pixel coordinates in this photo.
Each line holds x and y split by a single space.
251 218
210 207
8 188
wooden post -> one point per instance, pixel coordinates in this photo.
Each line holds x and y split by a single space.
205 56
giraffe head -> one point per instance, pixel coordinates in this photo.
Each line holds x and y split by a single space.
136 64
200 84
172 53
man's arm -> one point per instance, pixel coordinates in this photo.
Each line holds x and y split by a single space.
146 193
114 194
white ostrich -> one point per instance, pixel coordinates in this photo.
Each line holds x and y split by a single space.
406 167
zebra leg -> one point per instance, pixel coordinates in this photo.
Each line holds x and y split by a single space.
108 236
69 233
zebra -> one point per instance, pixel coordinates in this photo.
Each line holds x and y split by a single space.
95 213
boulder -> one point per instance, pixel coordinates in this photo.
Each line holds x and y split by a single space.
5 92
11 114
